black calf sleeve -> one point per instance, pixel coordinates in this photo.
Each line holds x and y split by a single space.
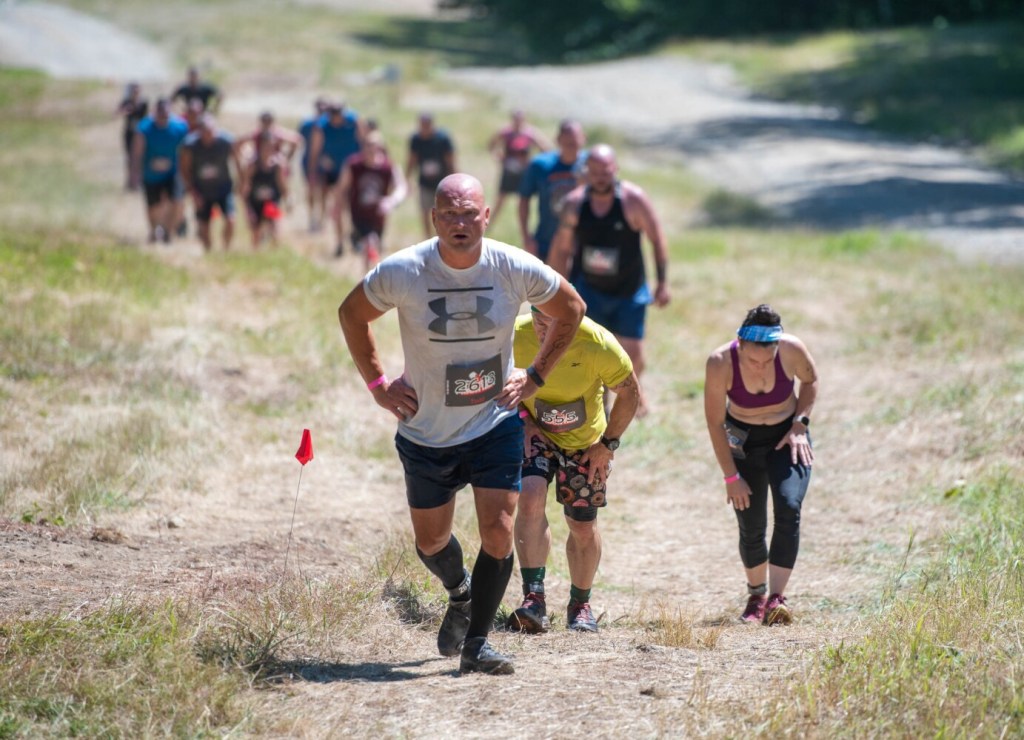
490 578
446 564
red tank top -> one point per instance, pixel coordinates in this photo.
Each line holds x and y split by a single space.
739 394
370 183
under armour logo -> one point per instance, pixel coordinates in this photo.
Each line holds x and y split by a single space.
440 308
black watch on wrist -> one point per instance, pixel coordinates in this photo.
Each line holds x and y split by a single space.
805 420
611 444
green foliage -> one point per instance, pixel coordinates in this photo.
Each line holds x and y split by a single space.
583 28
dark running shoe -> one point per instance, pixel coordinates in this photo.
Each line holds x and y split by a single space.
532 616
456 620
580 618
183 228
480 657
754 613
776 611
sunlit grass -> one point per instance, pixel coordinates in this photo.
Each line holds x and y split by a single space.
942 659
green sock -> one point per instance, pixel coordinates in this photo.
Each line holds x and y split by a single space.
532 575
579 595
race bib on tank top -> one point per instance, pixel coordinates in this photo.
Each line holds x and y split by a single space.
601 261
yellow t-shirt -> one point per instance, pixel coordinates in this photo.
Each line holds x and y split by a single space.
570 406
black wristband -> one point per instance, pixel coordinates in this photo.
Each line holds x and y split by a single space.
532 374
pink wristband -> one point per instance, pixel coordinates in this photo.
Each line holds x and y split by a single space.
732 478
523 413
379 381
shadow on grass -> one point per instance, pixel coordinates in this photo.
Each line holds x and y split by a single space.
315 671
962 84
461 43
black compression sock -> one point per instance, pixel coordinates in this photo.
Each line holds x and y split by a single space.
490 578
446 564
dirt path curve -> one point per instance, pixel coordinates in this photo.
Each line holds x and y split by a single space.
67 44
805 162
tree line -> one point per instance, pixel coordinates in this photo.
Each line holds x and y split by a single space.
573 29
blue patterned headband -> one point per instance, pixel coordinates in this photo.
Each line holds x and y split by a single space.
762 334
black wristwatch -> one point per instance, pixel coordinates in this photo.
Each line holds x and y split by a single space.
532 374
805 420
611 444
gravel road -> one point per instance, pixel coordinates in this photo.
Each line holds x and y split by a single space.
805 162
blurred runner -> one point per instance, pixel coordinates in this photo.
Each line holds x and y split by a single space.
206 158
155 159
512 145
335 138
371 186
133 108
264 188
432 156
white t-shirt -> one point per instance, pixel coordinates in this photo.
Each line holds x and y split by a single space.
457 328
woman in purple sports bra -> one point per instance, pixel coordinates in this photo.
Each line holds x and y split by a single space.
758 420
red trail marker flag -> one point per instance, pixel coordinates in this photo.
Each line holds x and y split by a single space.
304 455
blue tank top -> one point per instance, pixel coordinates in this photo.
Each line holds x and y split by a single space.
160 156
340 142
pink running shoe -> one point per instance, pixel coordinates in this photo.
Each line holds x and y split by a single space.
776 611
754 613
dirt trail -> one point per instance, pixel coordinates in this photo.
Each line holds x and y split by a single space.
67 44
805 162
669 539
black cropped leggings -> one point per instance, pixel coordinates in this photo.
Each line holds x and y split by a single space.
764 469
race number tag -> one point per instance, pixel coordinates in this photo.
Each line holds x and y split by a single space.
160 164
326 162
736 437
430 168
209 172
561 417
473 383
602 261
263 192
514 165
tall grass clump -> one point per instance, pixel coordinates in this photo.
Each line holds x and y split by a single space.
943 659
126 670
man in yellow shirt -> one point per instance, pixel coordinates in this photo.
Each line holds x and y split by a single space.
568 438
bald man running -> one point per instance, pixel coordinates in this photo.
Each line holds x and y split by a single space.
598 247
457 297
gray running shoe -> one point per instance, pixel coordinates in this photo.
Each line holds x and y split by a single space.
479 657
580 618
532 616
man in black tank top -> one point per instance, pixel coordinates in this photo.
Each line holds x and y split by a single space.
598 248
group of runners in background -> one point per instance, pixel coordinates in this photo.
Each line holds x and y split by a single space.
176 148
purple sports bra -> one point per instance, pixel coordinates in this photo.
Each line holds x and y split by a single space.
739 394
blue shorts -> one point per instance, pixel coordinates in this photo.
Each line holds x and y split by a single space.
433 475
622 316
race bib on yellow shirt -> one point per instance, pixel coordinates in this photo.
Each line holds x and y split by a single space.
562 417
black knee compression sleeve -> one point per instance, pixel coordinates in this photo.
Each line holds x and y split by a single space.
490 578
446 564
